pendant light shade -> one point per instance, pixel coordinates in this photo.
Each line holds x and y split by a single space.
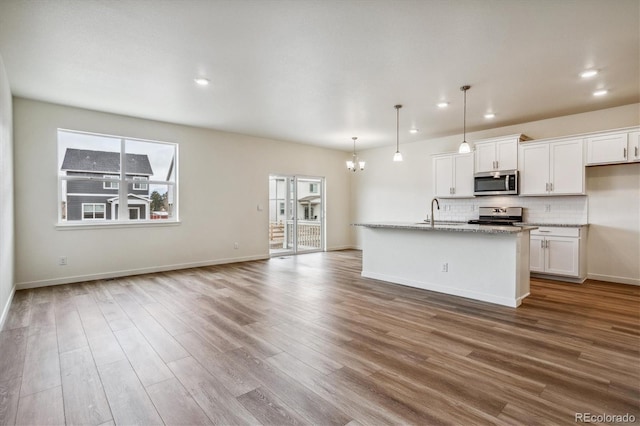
397 156
464 147
354 163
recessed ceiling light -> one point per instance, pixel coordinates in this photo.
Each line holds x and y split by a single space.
588 73
201 81
489 115
443 104
600 92
413 130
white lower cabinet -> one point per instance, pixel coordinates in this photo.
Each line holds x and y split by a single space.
559 251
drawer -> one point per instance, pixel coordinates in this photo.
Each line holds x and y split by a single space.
556 232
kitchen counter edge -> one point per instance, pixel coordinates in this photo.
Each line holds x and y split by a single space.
462 227
557 225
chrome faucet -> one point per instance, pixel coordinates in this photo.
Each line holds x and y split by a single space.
437 204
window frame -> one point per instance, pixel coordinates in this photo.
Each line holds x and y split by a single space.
115 184
122 181
139 186
104 211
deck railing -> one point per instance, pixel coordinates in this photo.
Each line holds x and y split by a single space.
309 234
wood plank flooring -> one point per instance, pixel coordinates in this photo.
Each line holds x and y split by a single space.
306 340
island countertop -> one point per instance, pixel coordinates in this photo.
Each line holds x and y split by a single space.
451 227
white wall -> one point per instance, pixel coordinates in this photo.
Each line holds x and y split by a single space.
7 249
223 177
403 191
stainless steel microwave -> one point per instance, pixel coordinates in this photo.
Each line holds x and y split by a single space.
496 183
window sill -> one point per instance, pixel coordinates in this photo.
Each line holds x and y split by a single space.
65 226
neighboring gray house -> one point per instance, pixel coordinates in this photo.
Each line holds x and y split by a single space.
95 200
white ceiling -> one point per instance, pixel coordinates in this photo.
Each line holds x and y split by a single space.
320 72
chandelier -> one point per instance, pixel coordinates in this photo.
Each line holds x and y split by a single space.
354 163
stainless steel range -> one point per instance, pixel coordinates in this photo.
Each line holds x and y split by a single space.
505 216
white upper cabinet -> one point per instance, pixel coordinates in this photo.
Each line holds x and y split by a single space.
634 146
453 175
552 167
613 148
607 149
497 154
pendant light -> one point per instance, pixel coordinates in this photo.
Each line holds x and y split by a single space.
397 156
355 164
464 147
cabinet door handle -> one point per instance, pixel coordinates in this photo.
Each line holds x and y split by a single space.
551 186
497 164
453 190
542 230
541 243
624 150
635 152
546 186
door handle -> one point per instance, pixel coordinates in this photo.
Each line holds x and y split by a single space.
635 152
624 150
550 186
541 243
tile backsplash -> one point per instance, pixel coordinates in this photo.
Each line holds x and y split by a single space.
557 209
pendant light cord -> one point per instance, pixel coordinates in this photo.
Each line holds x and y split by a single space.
397 129
464 113
397 107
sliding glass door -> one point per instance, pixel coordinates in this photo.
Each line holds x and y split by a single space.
296 214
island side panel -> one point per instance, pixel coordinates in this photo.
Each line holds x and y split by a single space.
480 266
523 284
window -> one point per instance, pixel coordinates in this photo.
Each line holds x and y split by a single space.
140 186
110 185
313 188
101 175
92 211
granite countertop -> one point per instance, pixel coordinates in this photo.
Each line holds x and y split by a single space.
558 225
448 226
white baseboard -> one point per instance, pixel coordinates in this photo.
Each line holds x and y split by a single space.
5 308
558 278
484 297
130 272
614 279
336 248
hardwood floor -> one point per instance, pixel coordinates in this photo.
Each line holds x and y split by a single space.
306 340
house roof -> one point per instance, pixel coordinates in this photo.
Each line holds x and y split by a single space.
105 162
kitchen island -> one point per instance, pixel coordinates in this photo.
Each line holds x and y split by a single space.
481 262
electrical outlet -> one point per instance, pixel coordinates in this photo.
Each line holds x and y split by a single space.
445 267
236 246
62 261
